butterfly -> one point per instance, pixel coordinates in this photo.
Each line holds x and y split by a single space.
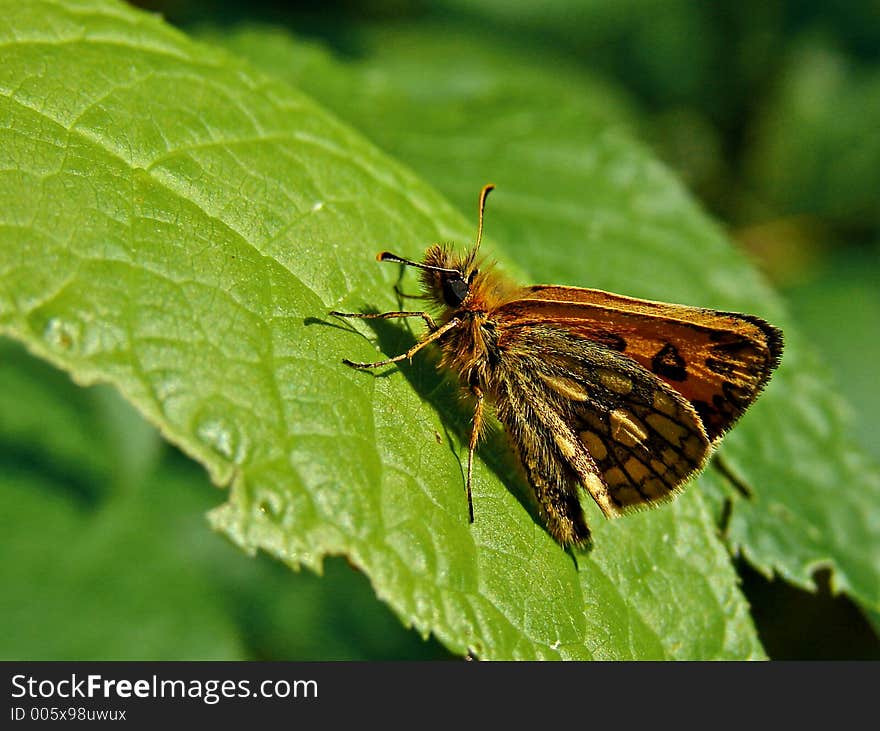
624 397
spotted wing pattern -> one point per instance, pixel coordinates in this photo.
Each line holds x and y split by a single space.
719 361
581 412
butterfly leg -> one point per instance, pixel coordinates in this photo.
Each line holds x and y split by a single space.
400 293
435 335
429 321
735 480
476 428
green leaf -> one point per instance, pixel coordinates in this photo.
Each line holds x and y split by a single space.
847 275
66 593
63 432
178 224
137 577
577 203
76 521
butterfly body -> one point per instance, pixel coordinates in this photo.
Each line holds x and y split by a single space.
623 397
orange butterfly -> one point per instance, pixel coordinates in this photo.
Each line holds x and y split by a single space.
623 396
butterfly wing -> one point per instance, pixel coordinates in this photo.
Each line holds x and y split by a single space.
581 412
541 439
719 361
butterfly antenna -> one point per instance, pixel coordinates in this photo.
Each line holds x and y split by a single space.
484 193
388 256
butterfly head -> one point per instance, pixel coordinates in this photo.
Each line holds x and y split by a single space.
447 278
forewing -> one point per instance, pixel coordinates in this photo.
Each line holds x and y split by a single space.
718 361
627 436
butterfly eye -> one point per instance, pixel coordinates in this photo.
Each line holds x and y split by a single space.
454 291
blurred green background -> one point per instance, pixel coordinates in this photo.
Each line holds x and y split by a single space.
770 113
